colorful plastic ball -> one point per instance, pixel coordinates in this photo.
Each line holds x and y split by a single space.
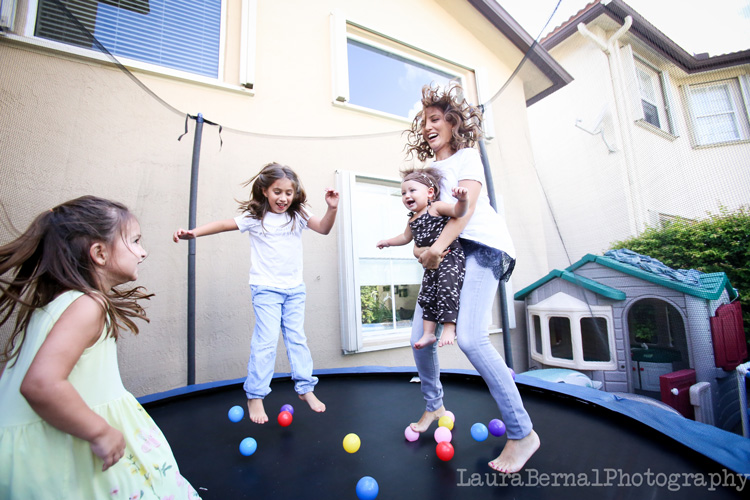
284 419
351 443
444 451
450 415
479 432
496 427
443 434
248 446
367 488
236 413
410 434
288 408
445 421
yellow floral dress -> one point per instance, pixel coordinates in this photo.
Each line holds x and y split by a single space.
37 461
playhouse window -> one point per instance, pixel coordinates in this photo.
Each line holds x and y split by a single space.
594 339
537 347
561 341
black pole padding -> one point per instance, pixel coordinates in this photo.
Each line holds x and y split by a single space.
501 289
191 249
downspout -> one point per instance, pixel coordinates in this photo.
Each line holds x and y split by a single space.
612 49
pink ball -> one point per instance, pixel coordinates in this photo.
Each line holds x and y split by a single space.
410 434
443 434
450 415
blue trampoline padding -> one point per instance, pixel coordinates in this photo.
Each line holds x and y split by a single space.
730 450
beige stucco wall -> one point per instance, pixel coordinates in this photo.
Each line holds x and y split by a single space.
71 126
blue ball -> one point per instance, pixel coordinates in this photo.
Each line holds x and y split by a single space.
288 408
367 488
479 432
236 413
497 427
248 446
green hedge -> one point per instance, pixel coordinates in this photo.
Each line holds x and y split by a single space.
719 243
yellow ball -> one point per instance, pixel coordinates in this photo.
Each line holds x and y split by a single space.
351 443
445 421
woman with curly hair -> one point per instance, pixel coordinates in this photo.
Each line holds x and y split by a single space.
446 131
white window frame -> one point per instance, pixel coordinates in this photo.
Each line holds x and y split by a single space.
353 339
632 66
26 28
739 97
562 305
342 30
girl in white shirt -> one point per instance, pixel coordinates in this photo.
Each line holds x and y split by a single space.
275 217
446 130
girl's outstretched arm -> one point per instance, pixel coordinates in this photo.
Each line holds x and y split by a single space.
397 241
323 225
455 210
431 257
53 397
218 226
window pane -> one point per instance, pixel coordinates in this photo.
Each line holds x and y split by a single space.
560 338
595 339
650 113
386 82
715 118
170 33
537 334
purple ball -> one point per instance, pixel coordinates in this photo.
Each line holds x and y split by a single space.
288 408
512 373
496 427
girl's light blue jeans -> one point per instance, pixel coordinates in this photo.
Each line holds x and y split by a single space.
278 308
472 335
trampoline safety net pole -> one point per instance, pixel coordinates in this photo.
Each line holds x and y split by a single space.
501 288
192 218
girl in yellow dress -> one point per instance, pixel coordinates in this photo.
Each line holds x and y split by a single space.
68 427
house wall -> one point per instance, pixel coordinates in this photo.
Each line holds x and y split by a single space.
589 186
74 125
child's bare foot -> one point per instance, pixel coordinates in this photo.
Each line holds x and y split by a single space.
447 337
427 419
516 453
427 339
257 411
313 401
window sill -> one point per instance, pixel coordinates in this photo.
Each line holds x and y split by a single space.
80 54
656 130
721 144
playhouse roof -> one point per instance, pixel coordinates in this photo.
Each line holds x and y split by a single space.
707 286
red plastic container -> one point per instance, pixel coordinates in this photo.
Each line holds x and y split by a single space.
681 381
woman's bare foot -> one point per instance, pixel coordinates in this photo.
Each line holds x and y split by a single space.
448 337
427 419
313 401
427 339
257 411
516 453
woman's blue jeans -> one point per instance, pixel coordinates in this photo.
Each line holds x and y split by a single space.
472 334
284 309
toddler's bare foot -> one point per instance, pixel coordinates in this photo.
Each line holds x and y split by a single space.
257 411
313 401
427 419
427 339
447 338
516 453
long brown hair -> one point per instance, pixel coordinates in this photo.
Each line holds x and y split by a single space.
257 206
52 256
466 121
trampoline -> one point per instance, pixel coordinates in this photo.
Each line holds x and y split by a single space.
588 450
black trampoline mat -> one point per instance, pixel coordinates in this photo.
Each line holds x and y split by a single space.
587 451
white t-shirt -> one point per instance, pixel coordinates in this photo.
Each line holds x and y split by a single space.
276 247
485 226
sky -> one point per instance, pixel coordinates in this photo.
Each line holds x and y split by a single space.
713 26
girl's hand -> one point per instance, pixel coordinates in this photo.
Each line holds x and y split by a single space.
182 234
431 258
332 198
110 447
460 193
382 244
